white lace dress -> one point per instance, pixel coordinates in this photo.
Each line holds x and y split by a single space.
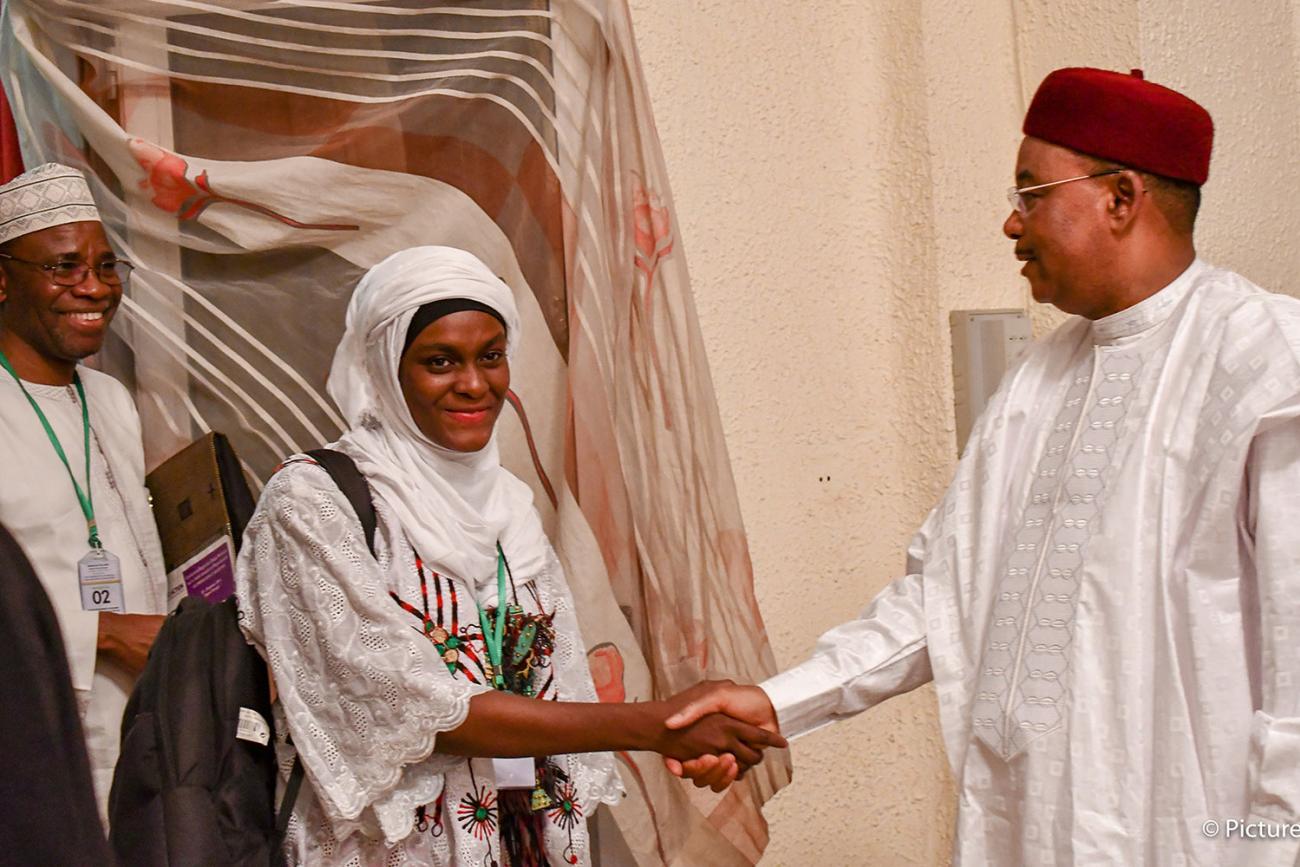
363 692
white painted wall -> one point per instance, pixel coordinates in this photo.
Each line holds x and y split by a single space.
839 172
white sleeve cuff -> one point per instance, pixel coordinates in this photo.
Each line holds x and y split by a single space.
804 697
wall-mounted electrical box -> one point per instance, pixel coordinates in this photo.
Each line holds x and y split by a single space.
984 344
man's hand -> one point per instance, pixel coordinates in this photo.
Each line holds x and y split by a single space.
747 703
126 638
717 734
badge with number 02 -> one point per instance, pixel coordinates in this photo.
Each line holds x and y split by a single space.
100 575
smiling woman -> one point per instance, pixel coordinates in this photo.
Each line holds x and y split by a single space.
454 372
410 681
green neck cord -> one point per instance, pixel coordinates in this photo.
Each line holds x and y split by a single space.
83 496
493 639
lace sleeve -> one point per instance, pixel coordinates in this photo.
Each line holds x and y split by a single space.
597 775
363 694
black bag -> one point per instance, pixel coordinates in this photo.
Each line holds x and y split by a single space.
188 790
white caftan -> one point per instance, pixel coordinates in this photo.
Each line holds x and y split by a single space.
1108 596
364 693
40 507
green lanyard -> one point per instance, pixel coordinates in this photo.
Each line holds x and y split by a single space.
83 497
492 640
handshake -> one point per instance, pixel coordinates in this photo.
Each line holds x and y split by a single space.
716 731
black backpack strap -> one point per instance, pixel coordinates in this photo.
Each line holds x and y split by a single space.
286 803
343 470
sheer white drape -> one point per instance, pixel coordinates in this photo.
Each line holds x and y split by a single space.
254 158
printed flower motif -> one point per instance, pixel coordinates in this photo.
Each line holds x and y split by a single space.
175 193
606 664
651 229
653 240
166 176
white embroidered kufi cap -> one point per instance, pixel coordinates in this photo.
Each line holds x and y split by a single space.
48 195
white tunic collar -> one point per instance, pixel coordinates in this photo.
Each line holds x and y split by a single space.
51 392
1147 313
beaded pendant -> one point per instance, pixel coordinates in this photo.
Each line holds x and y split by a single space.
527 648
448 646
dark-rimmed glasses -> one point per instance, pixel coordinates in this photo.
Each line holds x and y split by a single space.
113 272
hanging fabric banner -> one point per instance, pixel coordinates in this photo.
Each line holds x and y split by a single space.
11 158
255 157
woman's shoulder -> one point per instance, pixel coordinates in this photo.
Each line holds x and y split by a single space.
301 491
299 476
304 493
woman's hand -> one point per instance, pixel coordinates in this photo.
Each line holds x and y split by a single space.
717 734
749 703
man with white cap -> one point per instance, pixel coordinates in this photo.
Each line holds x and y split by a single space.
1107 598
72 481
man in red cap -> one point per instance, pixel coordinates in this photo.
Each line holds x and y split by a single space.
1108 184
1108 596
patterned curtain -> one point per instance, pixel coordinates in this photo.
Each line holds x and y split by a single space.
254 157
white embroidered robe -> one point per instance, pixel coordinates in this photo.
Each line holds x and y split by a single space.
1108 596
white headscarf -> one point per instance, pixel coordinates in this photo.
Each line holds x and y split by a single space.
454 506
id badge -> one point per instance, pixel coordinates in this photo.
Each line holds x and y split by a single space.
100 575
515 773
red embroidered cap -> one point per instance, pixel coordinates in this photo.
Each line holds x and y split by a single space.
1123 119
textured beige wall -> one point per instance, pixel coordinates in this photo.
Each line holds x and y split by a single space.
838 171
1240 59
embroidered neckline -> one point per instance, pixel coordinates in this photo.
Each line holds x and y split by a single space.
1147 313
62 393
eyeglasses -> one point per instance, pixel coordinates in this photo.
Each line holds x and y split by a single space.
114 272
1016 195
